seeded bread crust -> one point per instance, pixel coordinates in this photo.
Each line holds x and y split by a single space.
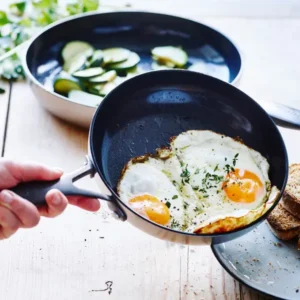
291 195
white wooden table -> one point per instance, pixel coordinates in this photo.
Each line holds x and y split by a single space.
79 253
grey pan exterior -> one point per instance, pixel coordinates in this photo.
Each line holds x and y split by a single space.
64 108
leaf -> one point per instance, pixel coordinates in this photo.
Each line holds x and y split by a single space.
2 90
26 22
44 4
90 5
74 8
18 8
3 18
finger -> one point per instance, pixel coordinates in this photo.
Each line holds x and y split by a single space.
56 204
12 173
25 211
89 204
9 223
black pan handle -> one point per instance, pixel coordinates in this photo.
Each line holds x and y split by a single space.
35 191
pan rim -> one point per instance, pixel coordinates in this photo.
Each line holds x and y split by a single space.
84 15
244 95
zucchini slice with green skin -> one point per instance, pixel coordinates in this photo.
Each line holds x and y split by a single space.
71 49
95 89
115 55
96 59
106 77
89 73
107 88
84 98
170 56
157 66
76 63
132 61
63 85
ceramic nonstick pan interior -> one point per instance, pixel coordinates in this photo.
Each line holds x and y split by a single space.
142 113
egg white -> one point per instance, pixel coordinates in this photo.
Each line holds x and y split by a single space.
181 170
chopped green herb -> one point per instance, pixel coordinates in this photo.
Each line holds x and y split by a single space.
197 171
205 196
185 172
225 158
168 204
2 91
216 168
174 223
175 197
181 164
227 168
174 182
185 147
167 173
235 159
185 205
195 188
196 209
184 227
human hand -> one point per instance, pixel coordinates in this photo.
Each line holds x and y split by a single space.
16 212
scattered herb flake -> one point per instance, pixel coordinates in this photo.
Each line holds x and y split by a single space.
185 205
168 204
175 197
185 147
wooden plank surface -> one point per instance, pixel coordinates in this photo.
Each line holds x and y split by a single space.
216 8
79 253
4 101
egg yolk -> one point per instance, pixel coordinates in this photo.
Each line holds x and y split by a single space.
150 206
242 186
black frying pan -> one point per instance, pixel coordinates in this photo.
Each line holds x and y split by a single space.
141 115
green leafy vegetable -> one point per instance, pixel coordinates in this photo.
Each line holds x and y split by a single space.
18 8
25 18
3 18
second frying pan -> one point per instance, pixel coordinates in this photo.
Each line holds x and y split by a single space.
141 115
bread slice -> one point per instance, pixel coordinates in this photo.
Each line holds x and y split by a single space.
283 224
291 195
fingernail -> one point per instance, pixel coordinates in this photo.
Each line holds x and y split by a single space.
56 199
6 197
59 170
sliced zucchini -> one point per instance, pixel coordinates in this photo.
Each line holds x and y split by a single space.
76 63
106 77
115 55
88 73
71 49
63 85
96 59
107 88
81 97
157 66
95 89
170 56
132 61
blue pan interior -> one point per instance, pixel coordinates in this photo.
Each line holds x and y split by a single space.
139 32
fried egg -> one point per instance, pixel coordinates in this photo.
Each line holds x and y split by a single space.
204 183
